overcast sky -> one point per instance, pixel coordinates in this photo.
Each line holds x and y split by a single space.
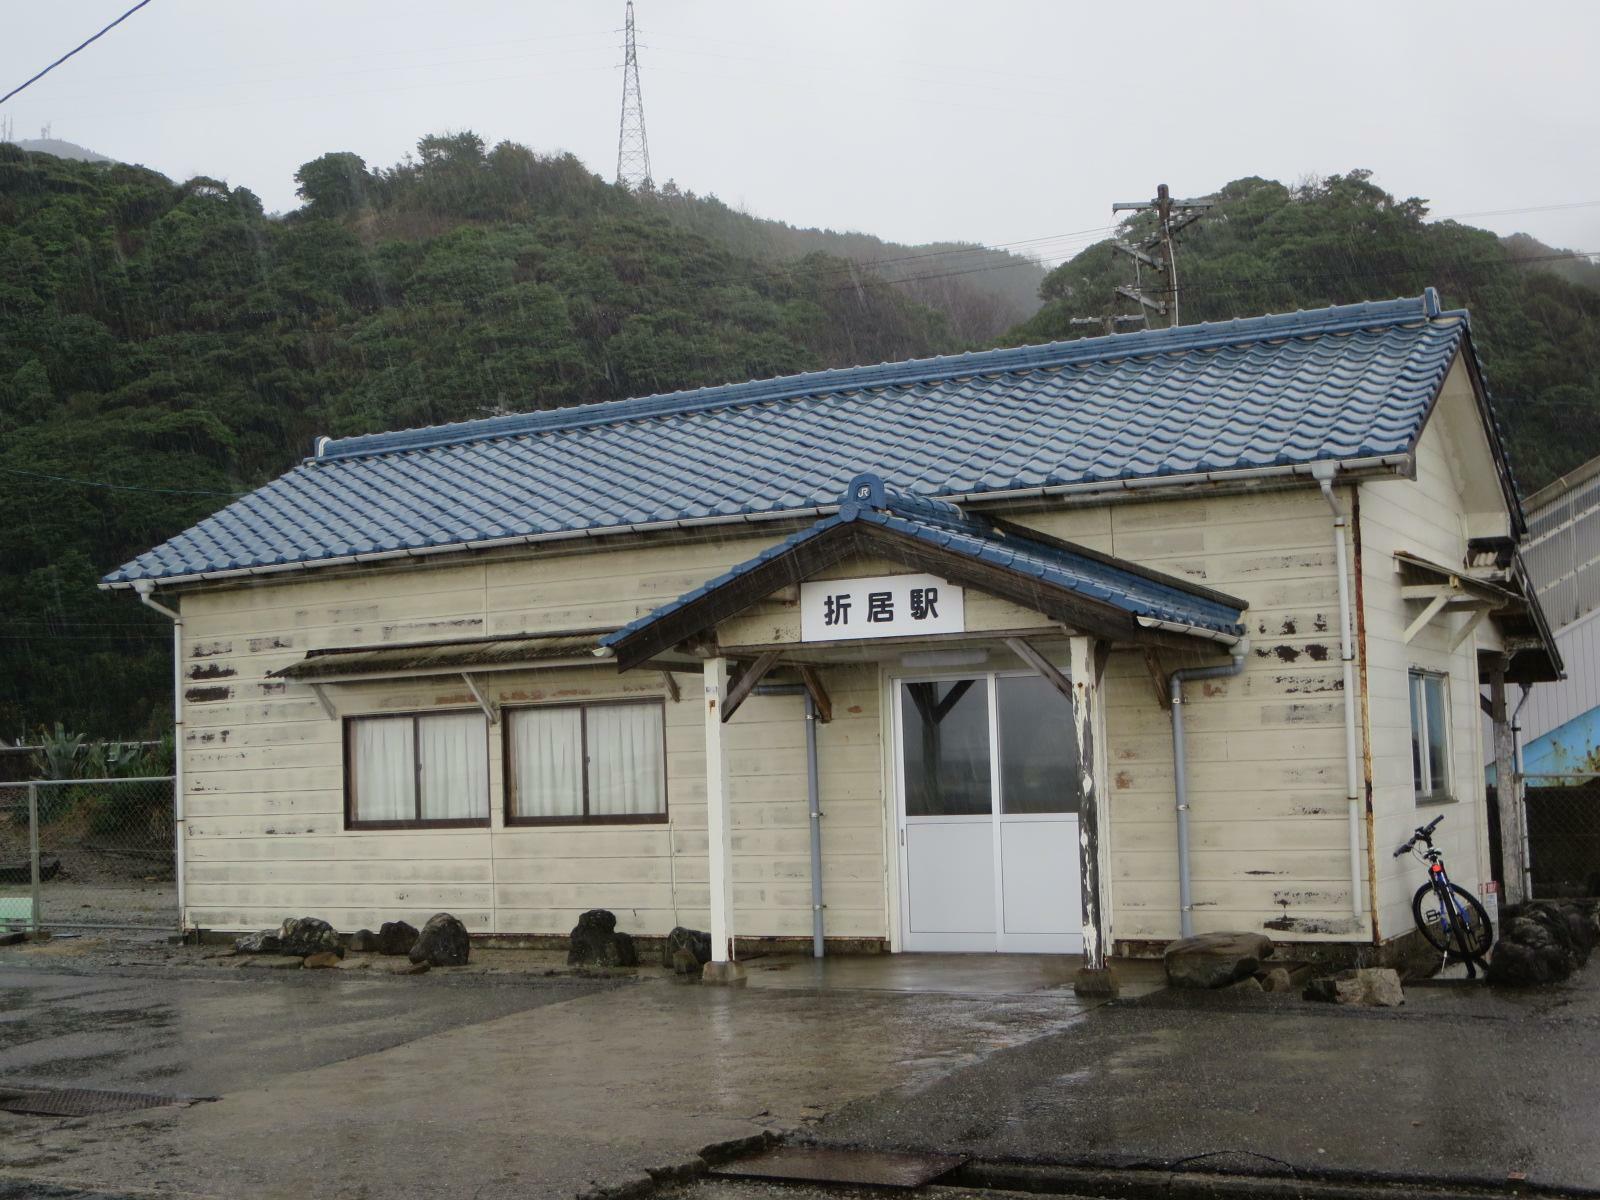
1000 121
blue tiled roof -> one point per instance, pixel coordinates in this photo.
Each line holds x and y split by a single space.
1354 381
1130 589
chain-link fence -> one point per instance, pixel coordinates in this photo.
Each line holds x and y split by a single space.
88 852
1564 835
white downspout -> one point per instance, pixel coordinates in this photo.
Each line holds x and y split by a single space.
146 591
1323 473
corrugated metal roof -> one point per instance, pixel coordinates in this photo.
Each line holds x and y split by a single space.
427 658
1355 381
1131 589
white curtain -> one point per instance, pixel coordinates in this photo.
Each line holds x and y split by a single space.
546 762
383 769
453 765
625 760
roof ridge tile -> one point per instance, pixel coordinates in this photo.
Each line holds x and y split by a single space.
1153 343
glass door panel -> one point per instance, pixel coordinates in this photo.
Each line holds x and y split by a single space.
1038 748
945 740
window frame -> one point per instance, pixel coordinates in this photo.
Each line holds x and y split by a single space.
1416 687
352 823
508 774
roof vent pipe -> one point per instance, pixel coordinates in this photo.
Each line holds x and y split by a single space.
1180 781
1323 473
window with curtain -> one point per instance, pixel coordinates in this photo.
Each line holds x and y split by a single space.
599 763
420 770
1430 736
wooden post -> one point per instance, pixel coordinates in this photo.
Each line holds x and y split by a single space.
1086 663
719 832
1508 793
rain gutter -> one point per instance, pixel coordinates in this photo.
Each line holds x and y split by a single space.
146 590
1324 475
1096 489
1180 772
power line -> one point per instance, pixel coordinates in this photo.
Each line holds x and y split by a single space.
74 50
1511 212
117 487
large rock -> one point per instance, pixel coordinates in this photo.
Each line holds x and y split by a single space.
1378 986
1215 960
265 942
396 937
1277 979
363 941
309 935
697 944
443 942
1541 943
596 942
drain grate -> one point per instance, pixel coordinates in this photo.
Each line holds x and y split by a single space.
823 1164
82 1102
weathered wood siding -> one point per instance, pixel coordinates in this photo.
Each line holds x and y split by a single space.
264 778
1268 832
1266 750
1429 517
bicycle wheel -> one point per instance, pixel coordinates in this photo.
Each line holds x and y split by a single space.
1475 930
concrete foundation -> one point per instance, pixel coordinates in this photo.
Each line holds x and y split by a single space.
724 974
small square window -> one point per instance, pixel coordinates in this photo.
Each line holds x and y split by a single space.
1430 736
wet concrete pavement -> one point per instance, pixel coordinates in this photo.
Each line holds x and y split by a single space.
576 1090
205 1033
1461 1084
348 1085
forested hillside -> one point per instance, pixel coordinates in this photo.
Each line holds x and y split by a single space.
982 291
1270 248
166 346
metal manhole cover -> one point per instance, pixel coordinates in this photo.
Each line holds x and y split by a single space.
823 1164
82 1102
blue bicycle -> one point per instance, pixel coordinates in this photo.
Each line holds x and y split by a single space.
1452 919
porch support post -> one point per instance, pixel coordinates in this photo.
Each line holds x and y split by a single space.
721 969
1508 793
1087 660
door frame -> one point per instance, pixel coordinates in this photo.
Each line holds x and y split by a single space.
899 889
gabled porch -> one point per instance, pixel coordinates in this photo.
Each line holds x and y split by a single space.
966 618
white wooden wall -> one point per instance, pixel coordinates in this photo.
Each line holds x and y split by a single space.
1428 518
264 779
1268 839
264 772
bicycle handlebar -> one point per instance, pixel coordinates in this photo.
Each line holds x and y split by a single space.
1422 834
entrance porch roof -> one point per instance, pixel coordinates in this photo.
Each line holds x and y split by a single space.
1067 583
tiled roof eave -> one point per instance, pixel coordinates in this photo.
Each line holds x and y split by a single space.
1353 468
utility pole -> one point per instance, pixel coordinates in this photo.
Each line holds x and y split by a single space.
1158 251
633 151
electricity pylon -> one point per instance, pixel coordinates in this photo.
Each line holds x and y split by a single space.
633 151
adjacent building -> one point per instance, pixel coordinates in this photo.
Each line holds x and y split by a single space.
1559 725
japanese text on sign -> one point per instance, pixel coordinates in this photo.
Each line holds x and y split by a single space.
834 610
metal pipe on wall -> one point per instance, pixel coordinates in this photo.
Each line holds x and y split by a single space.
813 804
1180 773
145 590
1323 473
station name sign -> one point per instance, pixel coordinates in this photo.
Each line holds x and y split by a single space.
833 610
